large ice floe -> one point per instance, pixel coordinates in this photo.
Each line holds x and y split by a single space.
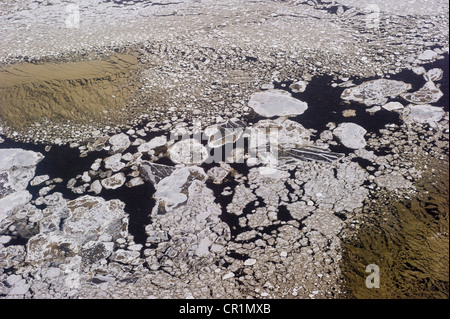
375 92
279 132
351 135
86 227
186 226
17 169
119 143
276 103
171 190
422 113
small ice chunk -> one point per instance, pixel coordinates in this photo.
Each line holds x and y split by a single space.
228 275
250 262
299 86
392 106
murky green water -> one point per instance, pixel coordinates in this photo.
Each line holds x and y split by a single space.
408 239
64 91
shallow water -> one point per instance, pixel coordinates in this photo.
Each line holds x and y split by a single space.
64 91
408 240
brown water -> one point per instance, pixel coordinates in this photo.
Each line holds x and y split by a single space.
64 91
407 239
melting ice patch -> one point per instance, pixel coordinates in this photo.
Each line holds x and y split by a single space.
375 92
429 93
423 113
171 191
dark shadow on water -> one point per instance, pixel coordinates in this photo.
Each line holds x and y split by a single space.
139 203
325 105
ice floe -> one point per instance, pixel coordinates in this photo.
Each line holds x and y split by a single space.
429 93
114 181
351 135
298 87
434 75
284 139
171 190
119 143
393 181
423 113
154 172
189 151
96 187
309 153
218 173
17 169
37 180
197 235
375 92
68 228
339 189
279 132
276 103
393 106
427 55
114 163
154 143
